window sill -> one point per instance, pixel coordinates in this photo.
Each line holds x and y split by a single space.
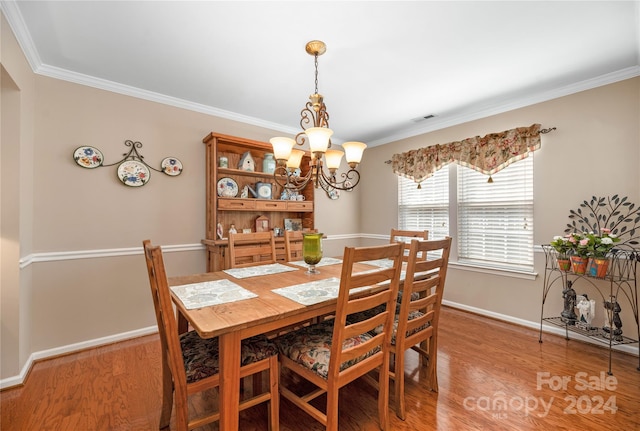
504 272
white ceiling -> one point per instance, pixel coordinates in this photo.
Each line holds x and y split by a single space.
387 62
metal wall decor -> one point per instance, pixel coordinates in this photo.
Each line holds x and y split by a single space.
132 170
616 213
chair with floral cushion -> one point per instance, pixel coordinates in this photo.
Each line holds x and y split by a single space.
190 364
335 352
416 322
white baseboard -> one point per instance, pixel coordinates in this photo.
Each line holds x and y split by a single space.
556 330
70 348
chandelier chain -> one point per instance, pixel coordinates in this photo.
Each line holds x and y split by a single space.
316 63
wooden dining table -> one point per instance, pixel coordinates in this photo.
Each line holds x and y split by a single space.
264 313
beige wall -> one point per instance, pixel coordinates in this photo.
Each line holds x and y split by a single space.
16 207
594 151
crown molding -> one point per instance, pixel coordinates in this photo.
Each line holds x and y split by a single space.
127 90
19 28
435 124
12 13
438 123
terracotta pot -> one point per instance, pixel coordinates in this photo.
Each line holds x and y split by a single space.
599 267
579 264
564 264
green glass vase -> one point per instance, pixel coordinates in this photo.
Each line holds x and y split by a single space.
312 250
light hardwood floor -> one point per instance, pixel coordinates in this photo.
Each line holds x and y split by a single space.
492 376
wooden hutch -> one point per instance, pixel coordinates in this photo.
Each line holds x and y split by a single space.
243 212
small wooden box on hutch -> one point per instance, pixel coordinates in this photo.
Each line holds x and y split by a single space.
242 212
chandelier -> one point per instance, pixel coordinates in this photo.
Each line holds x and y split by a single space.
315 129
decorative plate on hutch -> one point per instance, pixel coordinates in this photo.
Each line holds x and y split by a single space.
88 157
227 188
133 173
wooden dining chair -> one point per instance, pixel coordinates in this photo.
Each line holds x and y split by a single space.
250 249
190 364
293 244
335 352
416 323
405 236
293 240
183 325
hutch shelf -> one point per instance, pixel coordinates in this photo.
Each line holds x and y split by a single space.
618 283
243 212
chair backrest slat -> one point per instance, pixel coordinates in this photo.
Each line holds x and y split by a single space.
293 241
249 249
293 244
405 236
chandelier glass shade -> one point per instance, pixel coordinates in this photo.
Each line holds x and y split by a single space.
316 132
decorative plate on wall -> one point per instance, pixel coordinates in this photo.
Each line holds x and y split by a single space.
333 193
348 186
171 166
133 173
88 157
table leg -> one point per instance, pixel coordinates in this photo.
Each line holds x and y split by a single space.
183 323
229 381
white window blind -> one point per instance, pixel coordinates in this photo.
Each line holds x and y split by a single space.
495 220
426 208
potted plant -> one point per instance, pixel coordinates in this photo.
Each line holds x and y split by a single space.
562 245
581 249
600 246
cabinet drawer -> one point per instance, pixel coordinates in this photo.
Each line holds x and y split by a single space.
299 206
236 204
271 205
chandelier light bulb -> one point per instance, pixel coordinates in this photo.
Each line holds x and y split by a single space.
354 152
282 147
333 158
318 138
295 159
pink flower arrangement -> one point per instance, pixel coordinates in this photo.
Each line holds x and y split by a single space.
589 244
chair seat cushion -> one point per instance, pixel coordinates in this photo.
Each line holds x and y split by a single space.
367 314
311 347
414 296
201 356
412 315
358 317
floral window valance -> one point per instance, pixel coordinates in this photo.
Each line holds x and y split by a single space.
488 154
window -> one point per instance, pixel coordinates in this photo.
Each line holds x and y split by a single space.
426 208
493 222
